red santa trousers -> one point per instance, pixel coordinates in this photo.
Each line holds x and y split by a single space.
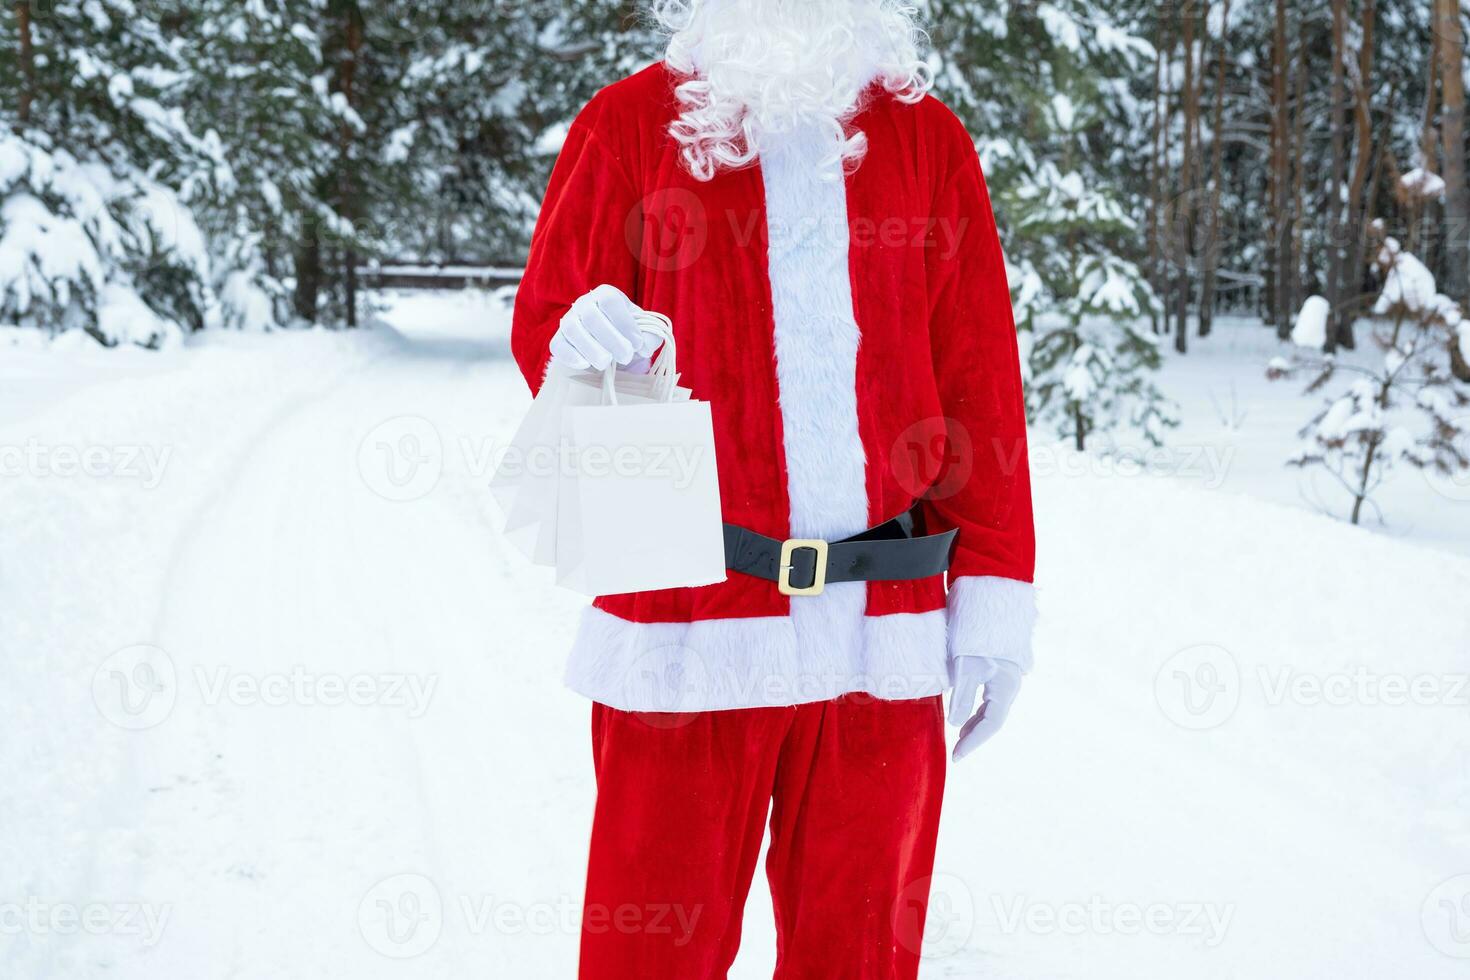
853 788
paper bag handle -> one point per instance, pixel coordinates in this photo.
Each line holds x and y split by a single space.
661 327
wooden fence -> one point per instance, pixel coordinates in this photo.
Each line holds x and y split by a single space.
422 275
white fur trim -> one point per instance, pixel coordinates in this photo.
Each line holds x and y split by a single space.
816 340
992 617
715 664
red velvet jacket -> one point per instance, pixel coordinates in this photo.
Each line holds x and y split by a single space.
938 384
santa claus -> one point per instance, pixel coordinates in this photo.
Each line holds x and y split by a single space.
815 224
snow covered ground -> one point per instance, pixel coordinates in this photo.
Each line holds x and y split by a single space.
279 701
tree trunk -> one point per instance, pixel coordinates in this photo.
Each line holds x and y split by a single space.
349 275
1367 241
308 256
1451 48
1358 505
1459 367
27 60
352 34
1168 257
1356 224
1296 261
1079 435
1156 176
1184 218
1276 176
1336 210
1428 137
1217 160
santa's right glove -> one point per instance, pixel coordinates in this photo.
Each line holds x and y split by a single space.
601 329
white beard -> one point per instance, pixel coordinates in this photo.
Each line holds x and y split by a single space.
757 69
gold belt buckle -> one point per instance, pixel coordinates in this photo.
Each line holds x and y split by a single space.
819 577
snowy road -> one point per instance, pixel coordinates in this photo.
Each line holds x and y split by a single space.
281 703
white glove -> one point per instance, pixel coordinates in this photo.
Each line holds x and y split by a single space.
1002 682
601 329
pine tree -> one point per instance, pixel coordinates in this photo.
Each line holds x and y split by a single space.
367 132
96 165
256 86
488 87
1044 89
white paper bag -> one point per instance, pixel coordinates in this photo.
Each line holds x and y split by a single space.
525 483
612 478
640 508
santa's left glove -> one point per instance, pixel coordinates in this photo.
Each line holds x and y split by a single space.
990 621
1001 681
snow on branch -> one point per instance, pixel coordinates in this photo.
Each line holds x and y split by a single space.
1406 408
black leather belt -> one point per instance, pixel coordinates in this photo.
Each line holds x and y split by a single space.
888 552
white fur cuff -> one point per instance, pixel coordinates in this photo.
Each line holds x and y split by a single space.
992 617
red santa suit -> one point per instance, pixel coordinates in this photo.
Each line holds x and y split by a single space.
853 336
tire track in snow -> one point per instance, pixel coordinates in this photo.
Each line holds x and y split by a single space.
114 809
271 542
293 560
